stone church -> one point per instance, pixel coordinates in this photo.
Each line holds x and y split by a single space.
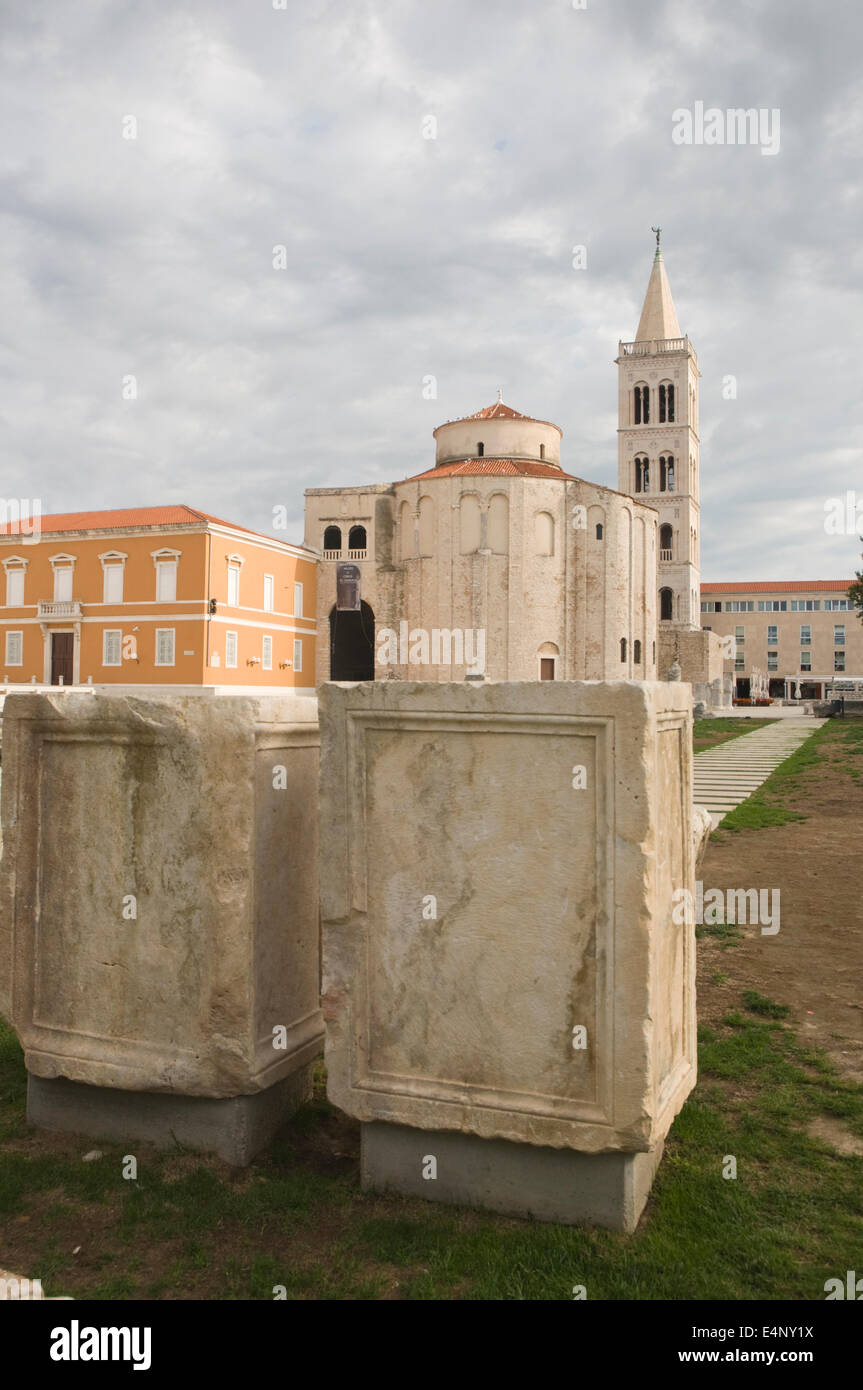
496 561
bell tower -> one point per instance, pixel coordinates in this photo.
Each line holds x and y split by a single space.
658 445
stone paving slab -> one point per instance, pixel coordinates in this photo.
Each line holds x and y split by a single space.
726 775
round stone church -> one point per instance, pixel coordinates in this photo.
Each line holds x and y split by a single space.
494 562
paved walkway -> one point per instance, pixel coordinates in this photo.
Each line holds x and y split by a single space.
729 773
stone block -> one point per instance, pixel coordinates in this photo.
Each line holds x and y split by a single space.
497 878
159 888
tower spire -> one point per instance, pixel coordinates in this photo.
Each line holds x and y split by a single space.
658 317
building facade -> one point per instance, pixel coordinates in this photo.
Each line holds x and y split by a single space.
804 636
158 597
494 561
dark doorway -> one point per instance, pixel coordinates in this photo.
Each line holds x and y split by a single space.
62 657
352 645
666 605
743 685
546 668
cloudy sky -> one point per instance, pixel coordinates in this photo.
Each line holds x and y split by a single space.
155 154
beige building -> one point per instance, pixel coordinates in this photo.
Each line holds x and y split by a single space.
493 561
804 635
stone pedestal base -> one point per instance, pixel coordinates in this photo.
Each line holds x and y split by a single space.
235 1129
606 1189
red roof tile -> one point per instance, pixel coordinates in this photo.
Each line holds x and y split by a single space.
494 468
774 586
499 411
122 519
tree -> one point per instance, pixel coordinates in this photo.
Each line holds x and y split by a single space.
855 592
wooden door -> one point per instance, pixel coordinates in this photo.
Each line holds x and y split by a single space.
62 657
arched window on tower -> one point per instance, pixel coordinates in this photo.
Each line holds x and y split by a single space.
332 542
666 605
636 652
666 541
642 405
599 530
666 403
480 449
623 648
357 543
666 473
642 474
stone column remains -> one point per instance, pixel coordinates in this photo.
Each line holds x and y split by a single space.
508 997
159 909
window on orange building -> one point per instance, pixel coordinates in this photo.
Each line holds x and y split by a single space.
166 581
269 593
267 653
14 648
298 654
233 586
14 588
112 640
113 584
164 646
230 648
298 600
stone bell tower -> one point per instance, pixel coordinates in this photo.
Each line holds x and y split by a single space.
658 445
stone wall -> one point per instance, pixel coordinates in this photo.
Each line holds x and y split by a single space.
575 604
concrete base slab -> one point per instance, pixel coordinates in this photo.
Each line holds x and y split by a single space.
235 1129
606 1189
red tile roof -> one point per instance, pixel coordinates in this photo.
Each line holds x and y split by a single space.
497 468
499 411
774 586
122 519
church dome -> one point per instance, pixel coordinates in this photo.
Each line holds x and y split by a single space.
498 433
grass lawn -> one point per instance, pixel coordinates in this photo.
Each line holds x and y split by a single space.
782 1107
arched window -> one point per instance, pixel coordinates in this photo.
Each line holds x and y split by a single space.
544 533
666 403
426 526
666 605
642 405
469 524
480 449
599 530
333 539
498 524
542 451
407 535
636 652
356 542
623 648
666 541
642 474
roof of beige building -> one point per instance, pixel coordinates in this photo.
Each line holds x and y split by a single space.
498 411
775 586
494 467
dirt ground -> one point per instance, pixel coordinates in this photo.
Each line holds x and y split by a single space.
814 964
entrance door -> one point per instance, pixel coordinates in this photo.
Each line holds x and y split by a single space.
352 644
546 668
62 657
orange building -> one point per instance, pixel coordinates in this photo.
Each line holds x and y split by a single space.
158 597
